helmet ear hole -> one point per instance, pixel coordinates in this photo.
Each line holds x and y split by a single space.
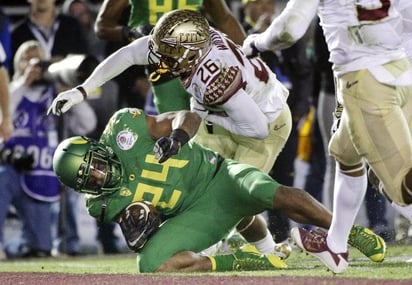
181 38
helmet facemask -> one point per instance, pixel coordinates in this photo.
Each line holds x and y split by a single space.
87 166
99 173
179 40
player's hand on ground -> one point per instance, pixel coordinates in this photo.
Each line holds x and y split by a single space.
64 101
249 47
165 147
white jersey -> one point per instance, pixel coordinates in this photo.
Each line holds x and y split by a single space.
242 94
405 9
360 34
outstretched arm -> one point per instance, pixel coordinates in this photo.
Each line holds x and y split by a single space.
133 54
286 29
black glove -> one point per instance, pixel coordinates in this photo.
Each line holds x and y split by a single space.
165 147
138 222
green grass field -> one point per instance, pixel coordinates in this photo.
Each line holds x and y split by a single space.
397 265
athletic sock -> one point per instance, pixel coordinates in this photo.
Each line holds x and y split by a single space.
405 211
265 245
349 193
222 262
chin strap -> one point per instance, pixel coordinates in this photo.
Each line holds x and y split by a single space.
104 206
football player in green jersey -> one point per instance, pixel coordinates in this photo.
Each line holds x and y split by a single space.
201 195
145 13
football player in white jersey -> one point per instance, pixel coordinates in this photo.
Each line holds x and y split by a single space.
240 98
405 9
374 84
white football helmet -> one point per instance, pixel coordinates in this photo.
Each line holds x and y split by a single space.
180 39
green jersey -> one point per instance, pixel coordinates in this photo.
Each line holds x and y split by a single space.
171 186
145 12
201 195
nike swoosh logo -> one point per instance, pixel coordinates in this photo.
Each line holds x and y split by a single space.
350 84
277 127
133 242
380 245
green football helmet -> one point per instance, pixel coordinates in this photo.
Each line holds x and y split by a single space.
87 166
180 39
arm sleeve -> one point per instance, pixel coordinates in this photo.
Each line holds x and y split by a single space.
289 26
244 117
136 53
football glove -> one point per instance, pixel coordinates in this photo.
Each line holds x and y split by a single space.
138 222
65 100
165 147
249 47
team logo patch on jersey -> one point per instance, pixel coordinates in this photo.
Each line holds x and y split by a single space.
135 112
125 140
125 192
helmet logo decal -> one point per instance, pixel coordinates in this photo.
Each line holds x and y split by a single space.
78 140
125 140
135 112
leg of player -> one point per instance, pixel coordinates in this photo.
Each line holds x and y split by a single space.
244 259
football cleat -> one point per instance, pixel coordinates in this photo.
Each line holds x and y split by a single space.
249 258
234 241
283 249
367 242
313 242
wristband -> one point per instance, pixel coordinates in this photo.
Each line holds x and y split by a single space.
81 89
180 135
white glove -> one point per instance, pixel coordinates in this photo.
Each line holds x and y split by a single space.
64 101
249 47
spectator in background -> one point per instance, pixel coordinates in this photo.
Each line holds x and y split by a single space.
58 35
81 10
34 141
6 126
5 37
